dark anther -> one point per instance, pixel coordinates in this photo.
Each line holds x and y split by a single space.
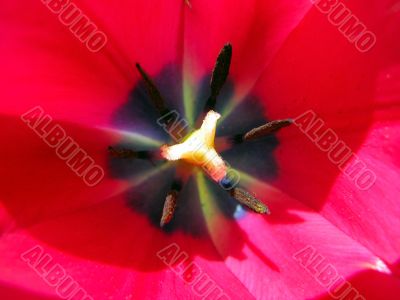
170 203
266 129
260 132
128 153
219 76
249 200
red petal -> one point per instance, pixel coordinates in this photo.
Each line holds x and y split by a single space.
44 63
356 95
256 30
111 251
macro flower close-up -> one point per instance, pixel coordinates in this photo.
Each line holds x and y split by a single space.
196 149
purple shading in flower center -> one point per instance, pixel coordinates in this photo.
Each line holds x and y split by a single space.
138 115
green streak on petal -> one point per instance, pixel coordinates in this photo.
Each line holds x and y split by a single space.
229 108
189 90
239 95
204 195
147 175
143 140
139 179
136 138
248 179
219 228
211 213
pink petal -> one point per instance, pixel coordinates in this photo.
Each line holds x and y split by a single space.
290 257
356 95
62 75
110 251
256 30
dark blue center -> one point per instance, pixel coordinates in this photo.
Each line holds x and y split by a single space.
147 197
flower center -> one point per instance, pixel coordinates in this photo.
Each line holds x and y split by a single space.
198 149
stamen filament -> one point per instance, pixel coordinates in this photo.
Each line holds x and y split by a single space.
153 92
129 153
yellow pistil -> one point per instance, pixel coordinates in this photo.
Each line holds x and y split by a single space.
198 149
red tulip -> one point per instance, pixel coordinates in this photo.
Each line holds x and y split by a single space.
84 225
